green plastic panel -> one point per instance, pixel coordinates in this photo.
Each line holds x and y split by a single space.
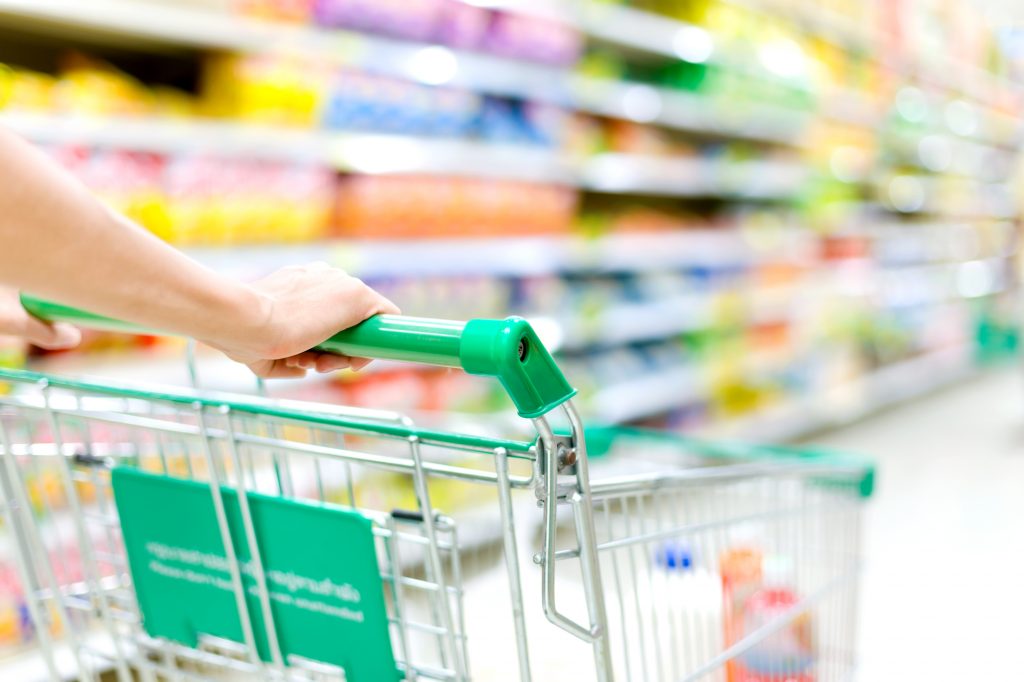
510 350
320 561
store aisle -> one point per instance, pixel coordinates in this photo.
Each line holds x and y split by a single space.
943 595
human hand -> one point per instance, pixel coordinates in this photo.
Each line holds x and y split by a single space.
16 321
295 309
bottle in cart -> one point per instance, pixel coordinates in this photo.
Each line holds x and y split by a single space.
740 568
788 654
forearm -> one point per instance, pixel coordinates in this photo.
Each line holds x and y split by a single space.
57 241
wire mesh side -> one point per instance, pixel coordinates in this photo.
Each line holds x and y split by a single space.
76 576
748 578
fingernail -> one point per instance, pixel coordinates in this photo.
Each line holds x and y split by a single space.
67 336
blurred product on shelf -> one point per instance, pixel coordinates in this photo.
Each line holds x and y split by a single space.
89 87
286 91
456 24
268 89
888 242
360 101
190 199
426 206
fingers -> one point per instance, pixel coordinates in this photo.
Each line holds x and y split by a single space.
387 307
322 362
57 336
303 361
275 369
328 362
359 363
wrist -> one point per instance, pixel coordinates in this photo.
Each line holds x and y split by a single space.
240 321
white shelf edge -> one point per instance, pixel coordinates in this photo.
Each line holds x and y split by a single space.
879 389
394 154
688 112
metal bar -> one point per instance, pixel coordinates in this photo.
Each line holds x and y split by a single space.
652 605
255 559
648 483
511 552
696 527
433 555
391 552
13 511
396 464
84 543
229 548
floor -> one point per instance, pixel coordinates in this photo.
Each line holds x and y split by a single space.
943 595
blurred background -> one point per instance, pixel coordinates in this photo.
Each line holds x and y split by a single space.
753 219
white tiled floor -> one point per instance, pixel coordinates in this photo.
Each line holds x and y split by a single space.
943 596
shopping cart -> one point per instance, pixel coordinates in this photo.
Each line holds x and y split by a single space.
164 533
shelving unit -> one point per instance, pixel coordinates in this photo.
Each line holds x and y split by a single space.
394 154
141 25
686 112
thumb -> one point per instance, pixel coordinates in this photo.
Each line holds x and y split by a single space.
57 336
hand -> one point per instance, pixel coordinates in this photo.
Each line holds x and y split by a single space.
297 308
16 321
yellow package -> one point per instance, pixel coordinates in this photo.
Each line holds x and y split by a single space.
28 90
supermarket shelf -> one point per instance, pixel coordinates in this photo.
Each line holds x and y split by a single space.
647 395
671 389
688 112
561 11
676 177
182 25
384 154
814 19
638 322
500 256
850 34
943 152
364 153
412 258
164 23
885 387
646 32
658 35
851 107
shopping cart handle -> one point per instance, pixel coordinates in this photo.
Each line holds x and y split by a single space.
506 349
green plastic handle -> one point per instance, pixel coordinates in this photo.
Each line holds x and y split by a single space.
506 349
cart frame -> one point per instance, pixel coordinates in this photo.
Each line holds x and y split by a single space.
558 472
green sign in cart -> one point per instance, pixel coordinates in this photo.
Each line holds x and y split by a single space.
320 562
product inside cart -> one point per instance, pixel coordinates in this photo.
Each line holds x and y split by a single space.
176 534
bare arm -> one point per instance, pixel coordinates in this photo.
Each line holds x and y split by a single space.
57 241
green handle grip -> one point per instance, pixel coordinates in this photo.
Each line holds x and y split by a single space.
506 349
